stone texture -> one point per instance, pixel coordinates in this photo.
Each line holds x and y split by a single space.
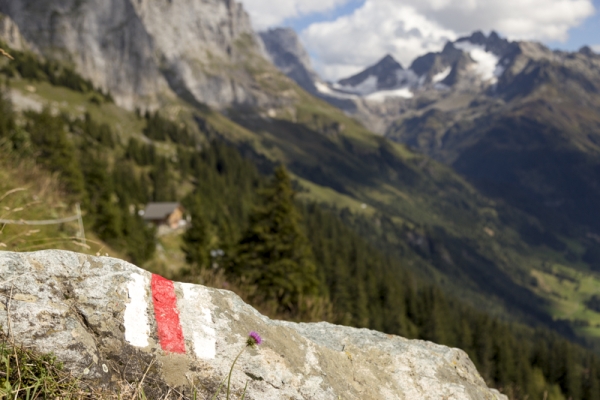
96 315
145 51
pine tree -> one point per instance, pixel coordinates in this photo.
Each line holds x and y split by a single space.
7 117
196 238
99 185
54 149
274 253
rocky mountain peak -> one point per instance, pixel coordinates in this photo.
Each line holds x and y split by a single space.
388 62
386 74
587 50
492 43
382 75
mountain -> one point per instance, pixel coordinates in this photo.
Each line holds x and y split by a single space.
378 94
532 138
520 122
287 53
504 114
124 46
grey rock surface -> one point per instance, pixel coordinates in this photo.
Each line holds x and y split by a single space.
99 316
287 53
11 35
145 51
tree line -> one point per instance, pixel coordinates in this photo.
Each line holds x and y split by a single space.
29 66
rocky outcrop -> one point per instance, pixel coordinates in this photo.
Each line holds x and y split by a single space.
108 320
287 53
144 51
11 35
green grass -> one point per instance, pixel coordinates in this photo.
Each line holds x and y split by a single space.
568 290
29 193
25 374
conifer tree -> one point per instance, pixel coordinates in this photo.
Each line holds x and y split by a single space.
7 118
54 148
196 238
99 185
274 253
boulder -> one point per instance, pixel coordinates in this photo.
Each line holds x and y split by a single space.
109 321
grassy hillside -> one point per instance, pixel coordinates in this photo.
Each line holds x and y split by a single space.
29 193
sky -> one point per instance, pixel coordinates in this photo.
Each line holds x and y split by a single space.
344 36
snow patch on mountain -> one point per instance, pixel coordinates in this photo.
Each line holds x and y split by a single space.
324 88
486 62
364 88
408 78
384 94
442 75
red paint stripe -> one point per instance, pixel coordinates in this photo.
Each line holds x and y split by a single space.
170 333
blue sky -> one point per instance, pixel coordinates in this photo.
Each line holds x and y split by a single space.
344 36
588 33
302 22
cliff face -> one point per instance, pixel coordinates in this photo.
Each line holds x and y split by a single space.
11 35
107 320
287 53
144 51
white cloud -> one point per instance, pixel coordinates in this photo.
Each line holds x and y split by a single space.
349 43
268 13
517 19
596 48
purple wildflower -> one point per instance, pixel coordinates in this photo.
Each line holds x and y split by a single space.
254 339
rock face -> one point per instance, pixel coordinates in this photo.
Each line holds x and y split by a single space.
144 50
10 33
287 53
108 320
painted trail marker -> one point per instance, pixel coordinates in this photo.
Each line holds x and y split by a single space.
176 319
164 298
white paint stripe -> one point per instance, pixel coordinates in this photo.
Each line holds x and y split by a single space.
196 321
205 348
137 327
